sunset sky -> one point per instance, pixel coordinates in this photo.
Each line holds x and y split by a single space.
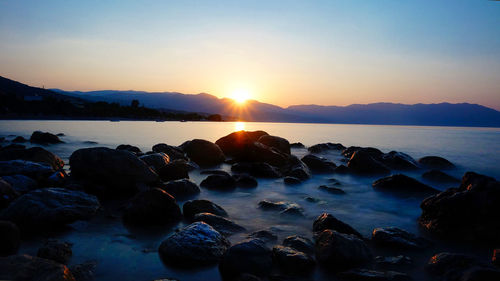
280 52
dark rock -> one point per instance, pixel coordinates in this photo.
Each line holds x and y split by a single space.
219 182
152 207
403 185
451 267
246 181
10 238
396 261
221 224
33 154
181 189
331 189
435 162
372 275
57 179
495 259
293 211
439 177
44 138
235 143
291 181
25 267
278 143
264 235
27 168
299 170
194 245
84 271
156 160
19 139
299 243
398 238
327 221
341 251
362 162
371 151
7 194
292 261
250 257
469 212
264 170
191 208
131 148
297 145
56 250
49 207
399 161
203 152
173 152
175 170
321 147
318 164
286 208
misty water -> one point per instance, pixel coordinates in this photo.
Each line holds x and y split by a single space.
131 254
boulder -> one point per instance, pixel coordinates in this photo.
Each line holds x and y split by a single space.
7 194
175 170
25 267
203 152
33 154
339 251
361 274
50 207
398 238
266 236
322 147
469 212
371 151
247 257
399 161
328 221
284 207
10 238
331 189
292 261
131 148
264 170
222 182
435 162
451 267
403 185
291 181
246 181
44 138
55 250
439 177
235 143
173 152
362 162
224 226
181 189
318 164
152 207
27 168
278 143
299 243
19 139
298 169
297 145
193 207
194 245
156 160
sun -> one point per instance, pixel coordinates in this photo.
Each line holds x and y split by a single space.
240 96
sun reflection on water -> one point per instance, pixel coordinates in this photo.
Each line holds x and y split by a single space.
239 126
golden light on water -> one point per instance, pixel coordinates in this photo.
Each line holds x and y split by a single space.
239 126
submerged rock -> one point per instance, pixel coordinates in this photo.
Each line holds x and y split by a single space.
318 164
336 250
321 147
152 207
399 161
451 267
224 226
265 235
291 181
398 238
279 143
191 208
362 162
246 181
285 208
175 170
156 160
328 221
401 185
56 250
247 257
131 148
435 162
173 152
331 189
396 261
299 243
19 139
44 138
362 274
181 189
203 152
292 261
223 182
25 267
10 238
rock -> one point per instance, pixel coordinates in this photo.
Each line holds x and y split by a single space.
181 189
341 251
50 207
318 164
156 160
44 138
194 245
219 182
371 151
265 235
397 261
7 194
152 207
435 162
291 181
342 169
450 267
398 238
247 257
292 261
286 208
56 250
173 152
298 169
331 189
10 238
469 212
399 161
131 148
25 267
299 243
235 143
264 170
495 259
120 170
362 162
297 145
439 177
33 154
57 179
221 224
403 185
19 139
203 152
328 221
175 170
246 181
278 143
362 274
321 147
84 271
27 168
191 208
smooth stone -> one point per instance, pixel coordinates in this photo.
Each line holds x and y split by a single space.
299 243
395 261
398 238
224 226
337 250
235 143
10 238
181 189
152 207
322 147
403 185
328 221
331 189
362 162
27 168
55 250
373 152
285 208
435 162
297 145
265 235
399 161
25 267
318 164
264 170
247 257
291 181
33 154
175 170
222 182
44 138
19 139
246 181
278 143
193 207
127 147
173 152
292 261
156 160
203 152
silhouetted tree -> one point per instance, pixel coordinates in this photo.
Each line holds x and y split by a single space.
134 104
214 117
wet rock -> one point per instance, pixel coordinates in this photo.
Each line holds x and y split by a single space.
55 250
222 225
84 271
396 261
265 235
131 148
156 160
181 189
291 181
19 139
435 162
27 168
398 238
342 169
246 181
50 207
371 151
451 267
291 260
222 182
439 177
203 152
297 145
264 170
193 207
318 164
175 170
152 207
25 267
341 251
235 143
299 171
495 259
321 147
372 275
195 244
399 161
331 189
57 179
10 238
362 162
7 194
286 208
44 138
403 185
328 221
33 154
247 257
299 243
173 152
278 143
469 212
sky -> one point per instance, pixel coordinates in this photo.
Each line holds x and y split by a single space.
281 52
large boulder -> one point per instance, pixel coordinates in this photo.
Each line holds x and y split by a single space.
181 189
398 238
44 138
318 164
247 257
469 212
156 160
131 148
194 245
224 226
33 154
235 143
21 183
373 152
28 268
203 152
10 238
338 251
403 185
363 162
278 143
328 221
454 267
399 161
322 147
245 181
257 169
292 261
299 243
221 182
173 152
435 162
152 207
193 207
27 168
56 250
50 207
7 193
175 170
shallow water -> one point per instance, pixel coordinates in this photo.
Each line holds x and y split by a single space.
131 254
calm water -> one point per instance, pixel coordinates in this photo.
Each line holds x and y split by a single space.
131 254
